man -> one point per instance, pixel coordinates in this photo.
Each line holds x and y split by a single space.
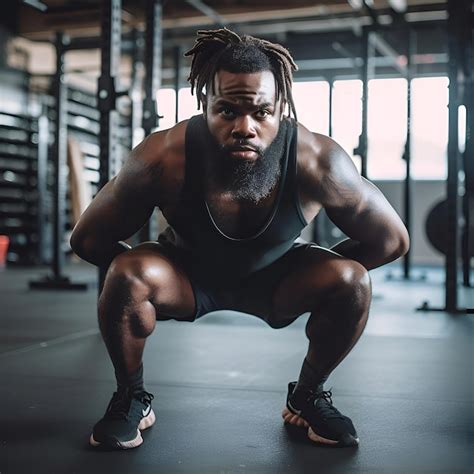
237 185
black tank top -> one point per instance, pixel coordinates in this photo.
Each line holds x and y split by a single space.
212 255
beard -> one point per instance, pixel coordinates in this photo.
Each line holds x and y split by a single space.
247 180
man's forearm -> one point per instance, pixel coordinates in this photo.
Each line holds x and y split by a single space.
368 255
99 254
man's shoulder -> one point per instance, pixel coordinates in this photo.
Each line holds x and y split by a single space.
310 151
312 143
319 161
316 151
160 161
164 146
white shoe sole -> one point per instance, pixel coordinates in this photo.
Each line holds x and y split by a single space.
133 443
292 419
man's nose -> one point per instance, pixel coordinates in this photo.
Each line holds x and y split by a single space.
244 127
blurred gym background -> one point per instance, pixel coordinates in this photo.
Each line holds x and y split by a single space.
83 81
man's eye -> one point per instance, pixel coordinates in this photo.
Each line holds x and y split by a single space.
227 112
263 113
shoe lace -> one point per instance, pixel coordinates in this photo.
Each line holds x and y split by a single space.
323 402
145 397
120 404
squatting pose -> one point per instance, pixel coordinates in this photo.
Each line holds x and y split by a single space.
237 184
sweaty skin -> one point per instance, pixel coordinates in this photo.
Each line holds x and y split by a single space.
333 285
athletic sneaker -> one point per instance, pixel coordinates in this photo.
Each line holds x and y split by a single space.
126 415
315 411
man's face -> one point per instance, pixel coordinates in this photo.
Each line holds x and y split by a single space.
243 116
242 113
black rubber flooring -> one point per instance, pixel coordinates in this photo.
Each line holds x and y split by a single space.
220 386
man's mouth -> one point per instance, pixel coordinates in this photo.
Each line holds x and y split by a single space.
243 152
243 148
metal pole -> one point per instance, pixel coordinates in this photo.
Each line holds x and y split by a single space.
468 158
60 157
107 86
177 79
452 251
468 155
111 37
459 17
361 149
407 153
153 51
331 91
136 86
42 189
58 280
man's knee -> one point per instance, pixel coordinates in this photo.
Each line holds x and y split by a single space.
127 273
145 281
347 282
354 279
352 289
346 302
138 276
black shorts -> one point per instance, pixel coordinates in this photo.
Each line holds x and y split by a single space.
252 294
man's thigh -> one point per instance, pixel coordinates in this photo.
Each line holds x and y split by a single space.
163 272
313 273
257 294
292 285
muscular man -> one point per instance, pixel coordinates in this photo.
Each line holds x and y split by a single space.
237 185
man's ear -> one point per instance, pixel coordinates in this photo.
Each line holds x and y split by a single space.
204 105
282 109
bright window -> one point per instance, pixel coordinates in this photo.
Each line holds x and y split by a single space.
387 128
312 105
429 128
187 104
387 120
347 114
166 107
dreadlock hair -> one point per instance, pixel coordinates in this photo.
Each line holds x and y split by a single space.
224 49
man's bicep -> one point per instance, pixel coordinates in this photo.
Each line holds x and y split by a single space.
122 206
367 216
353 203
110 218
134 188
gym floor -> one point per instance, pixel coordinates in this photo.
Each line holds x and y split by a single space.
220 386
